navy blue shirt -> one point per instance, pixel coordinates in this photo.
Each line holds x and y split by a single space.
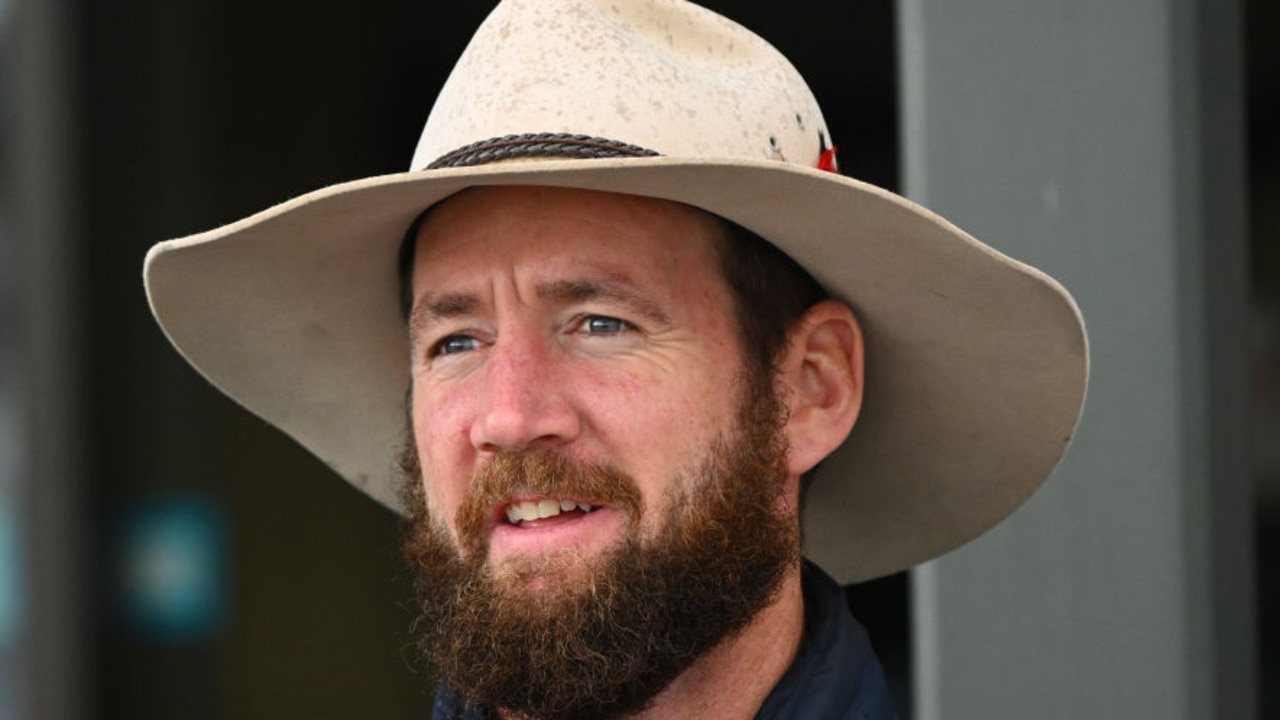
835 676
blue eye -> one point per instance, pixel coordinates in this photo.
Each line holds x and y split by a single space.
454 344
603 325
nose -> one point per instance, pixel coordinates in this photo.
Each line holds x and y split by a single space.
523 402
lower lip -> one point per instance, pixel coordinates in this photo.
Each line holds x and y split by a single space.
589 532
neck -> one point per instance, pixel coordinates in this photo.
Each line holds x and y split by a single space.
734 678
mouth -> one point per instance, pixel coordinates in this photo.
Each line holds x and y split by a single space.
541 526
543 511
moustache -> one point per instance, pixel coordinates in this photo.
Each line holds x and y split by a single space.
538 472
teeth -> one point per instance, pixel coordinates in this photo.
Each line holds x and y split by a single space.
528 510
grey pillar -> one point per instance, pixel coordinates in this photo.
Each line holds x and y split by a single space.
43 313
1102 141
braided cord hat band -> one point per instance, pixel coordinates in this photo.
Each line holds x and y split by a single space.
538 145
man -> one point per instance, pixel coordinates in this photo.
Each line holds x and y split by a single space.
614 303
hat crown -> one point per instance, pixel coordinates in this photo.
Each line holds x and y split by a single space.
664 75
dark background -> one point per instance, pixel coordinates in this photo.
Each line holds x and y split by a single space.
196 113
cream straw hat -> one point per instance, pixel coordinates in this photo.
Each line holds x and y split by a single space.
977 364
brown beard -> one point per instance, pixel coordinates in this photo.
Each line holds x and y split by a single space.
604 641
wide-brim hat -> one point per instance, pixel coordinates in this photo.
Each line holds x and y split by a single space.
976 363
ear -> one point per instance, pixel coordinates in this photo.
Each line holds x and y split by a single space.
821 374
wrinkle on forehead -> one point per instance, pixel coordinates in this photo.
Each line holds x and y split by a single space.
634 247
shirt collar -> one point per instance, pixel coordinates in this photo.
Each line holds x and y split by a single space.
835 673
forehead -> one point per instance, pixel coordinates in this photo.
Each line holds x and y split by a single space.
562 231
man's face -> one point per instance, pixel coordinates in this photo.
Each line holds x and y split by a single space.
592 325
577 348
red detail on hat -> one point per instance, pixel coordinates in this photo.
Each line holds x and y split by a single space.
827 161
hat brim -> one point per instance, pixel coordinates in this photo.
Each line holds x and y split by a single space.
976 364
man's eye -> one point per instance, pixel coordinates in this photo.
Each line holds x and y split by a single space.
603 325
454 344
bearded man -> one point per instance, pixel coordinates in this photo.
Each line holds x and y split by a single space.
615 299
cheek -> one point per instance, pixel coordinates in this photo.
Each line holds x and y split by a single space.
441 439
655 427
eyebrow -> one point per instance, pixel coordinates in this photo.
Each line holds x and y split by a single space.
620 291
432 308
